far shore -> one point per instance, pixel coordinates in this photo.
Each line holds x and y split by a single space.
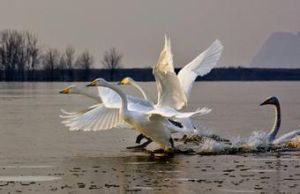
145 74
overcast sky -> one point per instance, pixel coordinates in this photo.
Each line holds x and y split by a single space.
137 27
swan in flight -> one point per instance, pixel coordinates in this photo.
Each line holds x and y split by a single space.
271 136
174 90
152 124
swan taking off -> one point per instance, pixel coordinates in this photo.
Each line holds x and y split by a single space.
153 124
174 90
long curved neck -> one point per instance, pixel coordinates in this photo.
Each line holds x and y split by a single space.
121 94
277 122
135 85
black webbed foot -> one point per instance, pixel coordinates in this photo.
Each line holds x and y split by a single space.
141 146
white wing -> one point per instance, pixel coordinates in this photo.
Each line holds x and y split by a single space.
139 105
168 112
286 137
97 118
168 85
109 97
200 66
103 116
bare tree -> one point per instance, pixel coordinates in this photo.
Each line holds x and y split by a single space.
112 61
18 53
51 62
84 62
32 51
66 64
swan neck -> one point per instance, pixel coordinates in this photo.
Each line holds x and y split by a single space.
277 122
121 94
135 85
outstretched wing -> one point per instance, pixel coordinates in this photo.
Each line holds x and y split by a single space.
168 85
200 66
103 116
286 137
168 112
97 118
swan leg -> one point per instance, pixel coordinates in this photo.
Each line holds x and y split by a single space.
141 146
139 138
172 143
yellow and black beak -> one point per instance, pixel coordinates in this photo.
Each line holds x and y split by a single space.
65 91
92 84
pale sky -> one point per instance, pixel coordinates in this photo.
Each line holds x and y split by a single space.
137 27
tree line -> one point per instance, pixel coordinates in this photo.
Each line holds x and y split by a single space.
23 59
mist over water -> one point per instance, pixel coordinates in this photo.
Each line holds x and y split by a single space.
32 136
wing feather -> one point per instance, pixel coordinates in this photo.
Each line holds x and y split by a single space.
168 112
168 85
98 118
200 66
286 137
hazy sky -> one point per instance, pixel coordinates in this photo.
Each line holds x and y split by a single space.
137 27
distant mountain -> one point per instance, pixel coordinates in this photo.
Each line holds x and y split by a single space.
281 50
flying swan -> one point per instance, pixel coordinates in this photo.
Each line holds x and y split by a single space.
174 90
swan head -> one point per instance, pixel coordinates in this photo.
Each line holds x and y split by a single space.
126 81
270 101
73 89
97 82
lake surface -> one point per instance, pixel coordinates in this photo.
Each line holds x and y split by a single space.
39 155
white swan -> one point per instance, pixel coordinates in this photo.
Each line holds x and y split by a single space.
103 115
174 90
153 124
271 136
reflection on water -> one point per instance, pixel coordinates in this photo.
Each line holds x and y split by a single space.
34 144
180 174
28 178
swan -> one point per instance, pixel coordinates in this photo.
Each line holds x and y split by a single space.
174 90
103 115
109 103
152 124
80 89
79 120
271 135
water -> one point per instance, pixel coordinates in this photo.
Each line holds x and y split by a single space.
38 154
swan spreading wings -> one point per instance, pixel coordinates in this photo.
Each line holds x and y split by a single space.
154 124
105 114
174 90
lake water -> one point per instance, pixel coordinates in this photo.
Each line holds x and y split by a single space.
39 155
